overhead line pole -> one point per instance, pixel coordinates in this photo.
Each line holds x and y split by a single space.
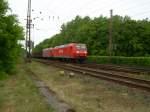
28 31
26 40
110 36
27 26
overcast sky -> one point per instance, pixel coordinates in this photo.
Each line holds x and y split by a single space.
56 12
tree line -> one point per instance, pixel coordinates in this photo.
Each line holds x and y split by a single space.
10 34
130 37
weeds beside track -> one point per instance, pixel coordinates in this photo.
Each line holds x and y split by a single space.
105 75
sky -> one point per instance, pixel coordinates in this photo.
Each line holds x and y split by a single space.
51 14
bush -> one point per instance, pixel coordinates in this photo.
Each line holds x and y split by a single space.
10 35
120 60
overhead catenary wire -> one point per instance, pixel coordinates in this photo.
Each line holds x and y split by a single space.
93 9
142 13
135 7
102 10
120 6
90 3
104 6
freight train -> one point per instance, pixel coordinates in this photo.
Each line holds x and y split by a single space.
68 52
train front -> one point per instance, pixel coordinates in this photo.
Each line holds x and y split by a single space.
81 52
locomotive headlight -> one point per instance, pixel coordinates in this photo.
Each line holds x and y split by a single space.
85 52
77 52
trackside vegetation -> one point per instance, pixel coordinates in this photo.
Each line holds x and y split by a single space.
120 60
19 94
10 34
131 38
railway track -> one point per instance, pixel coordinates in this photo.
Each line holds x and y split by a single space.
105 75
117 68
110 67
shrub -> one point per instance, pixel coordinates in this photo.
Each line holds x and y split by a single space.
120 60
10 34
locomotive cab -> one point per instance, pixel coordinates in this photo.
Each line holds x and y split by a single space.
81 52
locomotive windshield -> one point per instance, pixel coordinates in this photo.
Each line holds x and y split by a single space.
81 47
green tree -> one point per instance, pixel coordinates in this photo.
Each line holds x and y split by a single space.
10 33
130 37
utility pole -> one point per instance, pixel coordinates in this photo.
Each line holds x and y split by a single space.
26 40
28 31
110 36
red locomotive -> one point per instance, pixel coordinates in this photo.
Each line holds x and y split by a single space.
72 51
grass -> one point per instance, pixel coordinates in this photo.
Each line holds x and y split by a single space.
3 75
88 94
19 94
